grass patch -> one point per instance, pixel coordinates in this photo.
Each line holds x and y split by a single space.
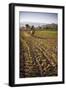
46 34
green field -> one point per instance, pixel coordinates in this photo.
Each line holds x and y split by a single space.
38 53
46 34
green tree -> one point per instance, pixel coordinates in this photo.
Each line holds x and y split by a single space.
27 27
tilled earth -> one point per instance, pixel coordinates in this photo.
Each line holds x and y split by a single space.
36 58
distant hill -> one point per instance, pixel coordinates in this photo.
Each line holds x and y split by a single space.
30 23
55 26
38 24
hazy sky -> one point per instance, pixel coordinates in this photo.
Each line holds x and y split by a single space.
36 17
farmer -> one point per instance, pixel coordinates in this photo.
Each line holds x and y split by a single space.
33 30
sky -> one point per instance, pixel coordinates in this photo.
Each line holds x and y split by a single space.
38 17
